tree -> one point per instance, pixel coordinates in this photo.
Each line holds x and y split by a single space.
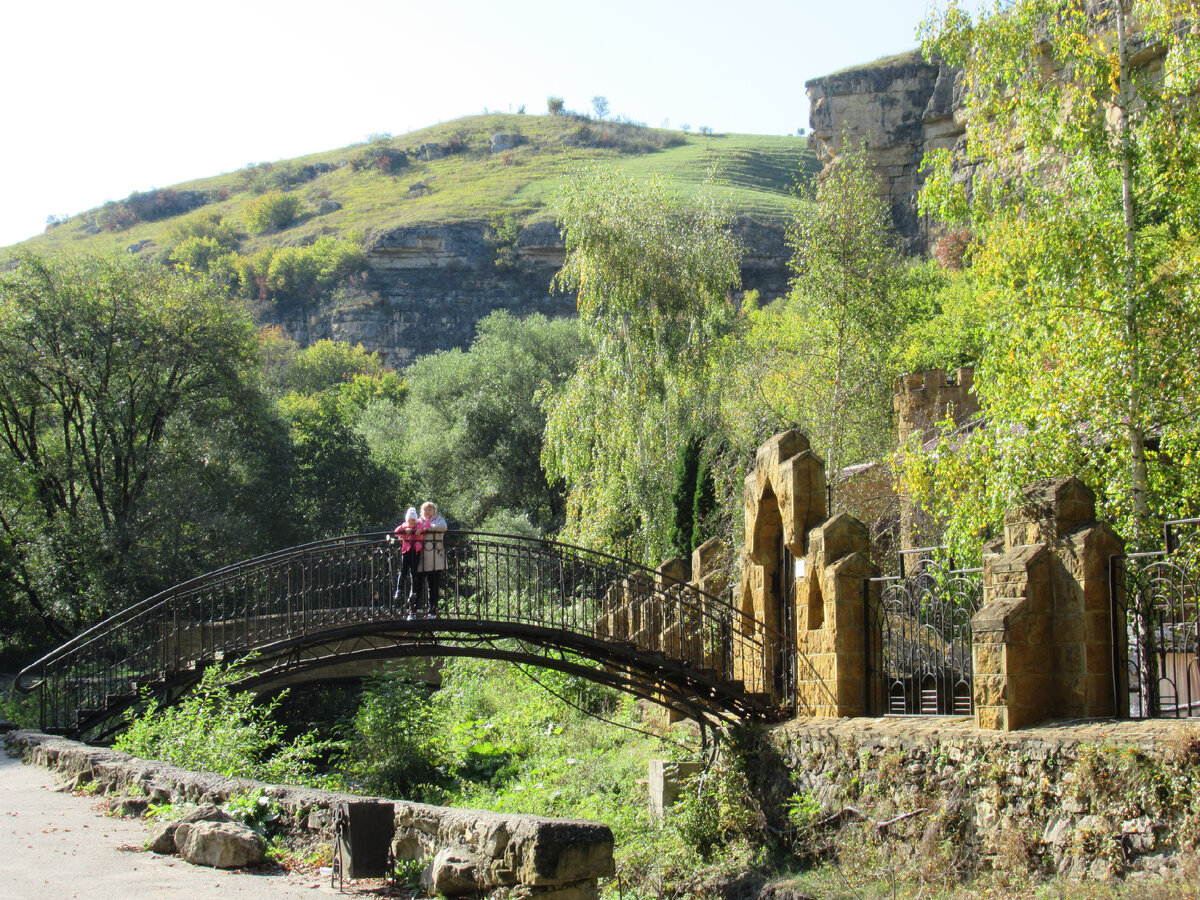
600 107
1084 204
818 360
653 276
554 105
109 371
473 428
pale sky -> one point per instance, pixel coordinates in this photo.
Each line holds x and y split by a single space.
101 99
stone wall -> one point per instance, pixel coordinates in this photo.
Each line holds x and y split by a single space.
529 856
1083 800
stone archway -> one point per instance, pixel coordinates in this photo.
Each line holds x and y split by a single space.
784 498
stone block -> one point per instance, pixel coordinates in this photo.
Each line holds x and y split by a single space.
666 779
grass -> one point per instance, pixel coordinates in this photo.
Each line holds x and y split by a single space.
754 175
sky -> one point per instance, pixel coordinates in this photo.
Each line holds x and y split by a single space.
101 99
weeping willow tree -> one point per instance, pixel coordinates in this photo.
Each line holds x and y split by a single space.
653 275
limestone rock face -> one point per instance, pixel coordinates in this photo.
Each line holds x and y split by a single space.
220 845
902 107
429 285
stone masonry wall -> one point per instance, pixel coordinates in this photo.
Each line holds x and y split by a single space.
1082 799
530 856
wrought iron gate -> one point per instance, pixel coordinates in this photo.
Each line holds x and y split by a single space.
923 624
1156 613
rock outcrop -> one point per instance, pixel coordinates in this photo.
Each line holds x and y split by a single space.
901 107
431 284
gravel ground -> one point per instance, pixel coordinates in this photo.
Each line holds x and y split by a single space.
58 845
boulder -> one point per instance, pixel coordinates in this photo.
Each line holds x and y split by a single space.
501 142
455 872
162 834
220 845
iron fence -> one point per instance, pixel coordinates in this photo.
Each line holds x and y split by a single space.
1156 614
922 623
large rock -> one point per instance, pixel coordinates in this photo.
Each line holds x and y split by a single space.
220 845
162 837
456 872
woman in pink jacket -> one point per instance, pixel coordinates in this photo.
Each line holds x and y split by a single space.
410 533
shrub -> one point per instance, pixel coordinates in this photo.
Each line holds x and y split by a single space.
554 105
395 751
208 224
215 728
274 210
279 176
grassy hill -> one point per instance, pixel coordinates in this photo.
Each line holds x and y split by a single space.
390 181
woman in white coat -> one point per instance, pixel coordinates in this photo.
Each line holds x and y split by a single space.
433 557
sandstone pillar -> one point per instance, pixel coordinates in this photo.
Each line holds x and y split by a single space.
832 621
784 498
1043 639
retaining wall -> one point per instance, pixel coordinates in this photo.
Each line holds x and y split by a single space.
471 851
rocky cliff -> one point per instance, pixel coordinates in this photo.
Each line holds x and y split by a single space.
901 107
431 284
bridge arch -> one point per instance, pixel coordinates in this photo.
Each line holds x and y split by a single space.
506 597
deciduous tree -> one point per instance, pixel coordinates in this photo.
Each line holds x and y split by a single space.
1083 138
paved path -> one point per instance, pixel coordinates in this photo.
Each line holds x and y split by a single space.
57 845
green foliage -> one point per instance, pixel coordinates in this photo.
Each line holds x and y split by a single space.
209 224
715 813
303 276
473 427
118 380
278 176
273 211
652 276
255 810
331 364
397 746
215 728
503 240
554 106
683 498
1084 211
338 488
817 360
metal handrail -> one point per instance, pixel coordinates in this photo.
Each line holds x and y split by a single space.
494 583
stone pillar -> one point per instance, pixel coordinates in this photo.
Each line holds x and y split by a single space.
832 622
666 781
1043 640
784 498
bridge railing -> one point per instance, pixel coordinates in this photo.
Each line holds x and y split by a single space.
498 584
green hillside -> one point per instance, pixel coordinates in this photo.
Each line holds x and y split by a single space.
388 182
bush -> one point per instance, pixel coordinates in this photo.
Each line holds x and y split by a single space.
277 176
304 275
210 224
273 211
215 728
395 750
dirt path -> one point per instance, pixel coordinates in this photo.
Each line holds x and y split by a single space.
56 845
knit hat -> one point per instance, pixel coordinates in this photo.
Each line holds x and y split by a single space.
411 514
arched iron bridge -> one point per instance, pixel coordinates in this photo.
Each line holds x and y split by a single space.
504 597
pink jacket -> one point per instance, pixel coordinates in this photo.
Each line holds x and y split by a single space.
410 536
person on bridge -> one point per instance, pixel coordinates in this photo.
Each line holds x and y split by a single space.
410 533
433 557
